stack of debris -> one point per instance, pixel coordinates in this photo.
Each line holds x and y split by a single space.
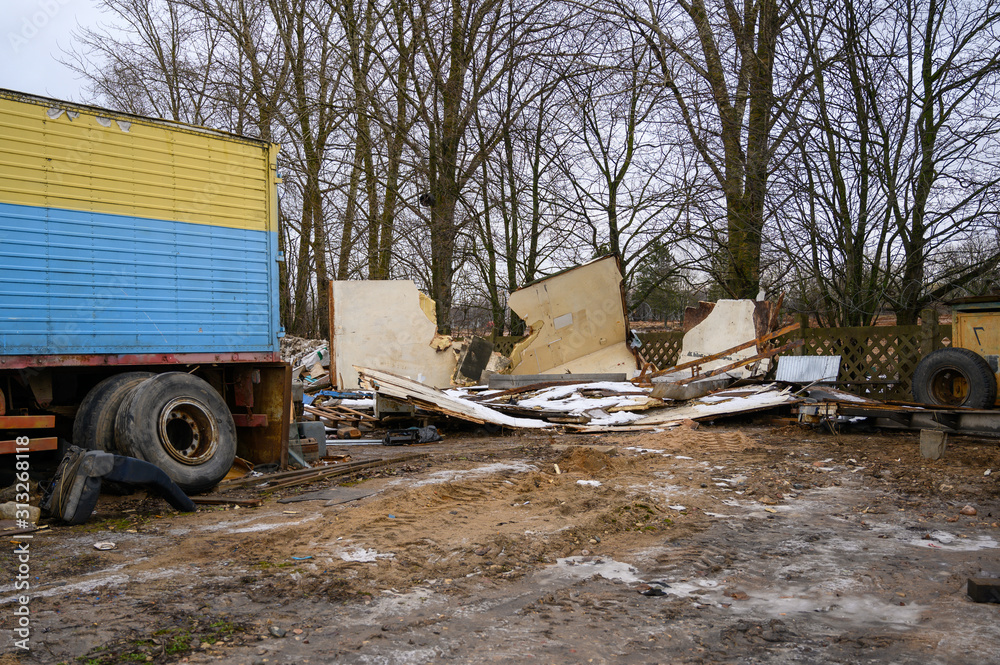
579 367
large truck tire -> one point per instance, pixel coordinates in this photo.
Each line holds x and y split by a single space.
94 425
955 377
182 425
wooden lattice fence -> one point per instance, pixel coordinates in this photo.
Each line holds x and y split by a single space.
876 361
661 348
505 345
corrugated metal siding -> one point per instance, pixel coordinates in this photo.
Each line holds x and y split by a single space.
107 274
144 168
807 369
76 282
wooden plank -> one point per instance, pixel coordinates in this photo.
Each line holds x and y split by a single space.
745 361
432 399
34 445
723 354
27 422
224 501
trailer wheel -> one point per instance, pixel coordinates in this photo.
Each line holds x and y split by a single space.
182 425
94 425
955 377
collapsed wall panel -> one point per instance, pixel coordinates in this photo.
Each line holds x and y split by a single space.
577 322
389 325
723 326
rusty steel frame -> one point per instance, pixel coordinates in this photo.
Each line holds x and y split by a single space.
110 360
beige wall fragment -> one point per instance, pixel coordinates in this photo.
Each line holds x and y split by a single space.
387 325
729 324
577 321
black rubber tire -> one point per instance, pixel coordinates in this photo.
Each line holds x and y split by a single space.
94 425
955 377
182 425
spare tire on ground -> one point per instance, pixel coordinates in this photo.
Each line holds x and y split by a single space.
94 425
955 377
182 425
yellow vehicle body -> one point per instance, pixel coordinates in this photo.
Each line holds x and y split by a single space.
966 374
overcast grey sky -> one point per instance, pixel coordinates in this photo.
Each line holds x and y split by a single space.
32 32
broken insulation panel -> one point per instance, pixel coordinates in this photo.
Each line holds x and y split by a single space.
577 321
390 325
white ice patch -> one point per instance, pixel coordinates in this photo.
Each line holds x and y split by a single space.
569 399
590 483
439 477
268 526
581 568
616 418
945 541
865 610
363 555
92 585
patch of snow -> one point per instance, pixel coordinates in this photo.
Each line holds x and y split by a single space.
584 567
439 477
363 555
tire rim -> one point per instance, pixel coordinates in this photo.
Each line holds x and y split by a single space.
188 431
949 386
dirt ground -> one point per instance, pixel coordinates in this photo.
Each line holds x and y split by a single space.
725 544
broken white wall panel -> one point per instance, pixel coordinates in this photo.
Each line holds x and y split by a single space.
507 381
577 321
721 404
728 324
430 399
390 325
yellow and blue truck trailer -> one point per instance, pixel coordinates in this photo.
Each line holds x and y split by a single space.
139 289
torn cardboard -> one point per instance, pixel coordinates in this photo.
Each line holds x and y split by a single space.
577 322
387 324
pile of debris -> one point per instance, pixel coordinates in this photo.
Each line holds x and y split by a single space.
579 367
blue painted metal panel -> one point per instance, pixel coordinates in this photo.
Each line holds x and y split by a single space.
75 282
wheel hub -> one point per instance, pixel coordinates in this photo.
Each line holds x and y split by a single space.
188 431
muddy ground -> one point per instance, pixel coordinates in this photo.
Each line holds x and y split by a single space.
735 544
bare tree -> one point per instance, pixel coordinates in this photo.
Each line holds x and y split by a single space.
894 169
942 177
158 63
462 53
718 62
626 197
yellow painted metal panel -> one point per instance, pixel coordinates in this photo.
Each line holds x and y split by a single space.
977 331
61 155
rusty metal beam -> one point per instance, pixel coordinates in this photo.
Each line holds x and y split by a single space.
109 360
27 422
250 419
34 445
745 361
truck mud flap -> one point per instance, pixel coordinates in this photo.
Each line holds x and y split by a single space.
72 495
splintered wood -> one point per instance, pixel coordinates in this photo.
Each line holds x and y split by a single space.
338 415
